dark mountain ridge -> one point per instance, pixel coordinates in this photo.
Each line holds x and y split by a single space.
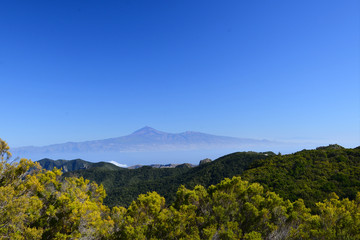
79 164
73 165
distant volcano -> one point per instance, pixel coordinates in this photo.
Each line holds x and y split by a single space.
148 139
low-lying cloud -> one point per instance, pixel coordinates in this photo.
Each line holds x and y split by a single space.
118 164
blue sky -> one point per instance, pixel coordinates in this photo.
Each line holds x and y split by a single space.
86 70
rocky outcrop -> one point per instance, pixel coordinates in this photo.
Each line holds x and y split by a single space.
204 161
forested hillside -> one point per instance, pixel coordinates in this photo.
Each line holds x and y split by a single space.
124 185
309 174
65 165
74 165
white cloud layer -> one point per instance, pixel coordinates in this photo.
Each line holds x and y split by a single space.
118 164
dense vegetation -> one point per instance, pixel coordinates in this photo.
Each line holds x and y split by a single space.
65 165
40 204
35 204
310 174
124 185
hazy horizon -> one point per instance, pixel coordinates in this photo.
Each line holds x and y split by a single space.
158 155
130 158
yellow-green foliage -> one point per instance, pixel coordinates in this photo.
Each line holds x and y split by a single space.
35 204
338 219
4 150
19 207
235 209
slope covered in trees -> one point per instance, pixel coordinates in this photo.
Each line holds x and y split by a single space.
64 165
310 174
124 185
37 204
74 165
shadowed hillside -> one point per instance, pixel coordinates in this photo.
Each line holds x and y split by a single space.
124 185
309 174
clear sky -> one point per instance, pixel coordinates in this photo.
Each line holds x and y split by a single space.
86 70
